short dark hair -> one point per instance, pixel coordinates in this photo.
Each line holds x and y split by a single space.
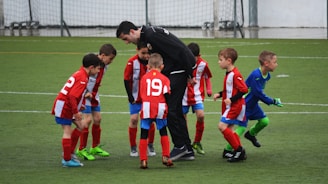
107 49
194 48
141 45
91 60
125 27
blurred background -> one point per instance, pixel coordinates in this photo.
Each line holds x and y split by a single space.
185 18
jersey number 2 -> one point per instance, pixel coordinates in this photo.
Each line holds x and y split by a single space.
68 84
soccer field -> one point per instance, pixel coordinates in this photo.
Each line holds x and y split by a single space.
294 145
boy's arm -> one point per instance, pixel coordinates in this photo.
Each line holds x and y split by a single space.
242 88
129 91
208 86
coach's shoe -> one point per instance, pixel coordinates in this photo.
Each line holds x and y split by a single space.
167 161
176 153
134 152
71 163
151 150
252 139
85 154
198 147
238 155
227 153
189 156
143 164
99 151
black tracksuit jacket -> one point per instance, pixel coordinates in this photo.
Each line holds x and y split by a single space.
177 57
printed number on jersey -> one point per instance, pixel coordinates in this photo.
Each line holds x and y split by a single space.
68 84
154 87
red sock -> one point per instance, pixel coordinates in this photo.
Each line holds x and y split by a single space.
66 144
237 138
133 136
74 138
230 137
199 131
165 146
151 134
84 138
96 130
143 149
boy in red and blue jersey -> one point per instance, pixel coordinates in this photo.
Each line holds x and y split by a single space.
91 113
67 105
195 94
135 68
233 103
154 91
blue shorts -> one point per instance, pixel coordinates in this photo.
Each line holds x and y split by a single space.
62 121
160 123
135 108
254 113
233 122
199 106
88 109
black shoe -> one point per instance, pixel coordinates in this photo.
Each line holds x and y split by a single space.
227 153
176 153
238 155
189 156
252 139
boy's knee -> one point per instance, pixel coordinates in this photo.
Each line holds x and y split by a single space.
264 121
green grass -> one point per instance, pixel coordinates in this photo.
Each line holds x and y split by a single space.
295 144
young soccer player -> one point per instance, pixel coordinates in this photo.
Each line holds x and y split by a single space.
194 95
233 103
256 82
154 90
67 105
107 53
135 68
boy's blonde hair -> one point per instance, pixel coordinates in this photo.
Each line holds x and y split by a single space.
266 56
155 60
229 53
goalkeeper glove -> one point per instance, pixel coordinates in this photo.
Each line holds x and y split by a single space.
277 102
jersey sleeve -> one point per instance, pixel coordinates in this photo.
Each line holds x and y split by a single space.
256 89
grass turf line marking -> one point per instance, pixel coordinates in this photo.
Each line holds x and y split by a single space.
124 96
48 112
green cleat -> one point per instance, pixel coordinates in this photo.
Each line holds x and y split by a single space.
99 151
85 154
198 147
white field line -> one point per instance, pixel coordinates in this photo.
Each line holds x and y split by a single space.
123 96
48 112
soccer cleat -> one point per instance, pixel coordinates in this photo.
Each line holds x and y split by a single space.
74 157
189 156
71 163
134 152
151 150
176 153
167 161
99 151
198 147
143 164
85 154
227 153
252 139
238 155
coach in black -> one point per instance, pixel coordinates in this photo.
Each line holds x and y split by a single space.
179 63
